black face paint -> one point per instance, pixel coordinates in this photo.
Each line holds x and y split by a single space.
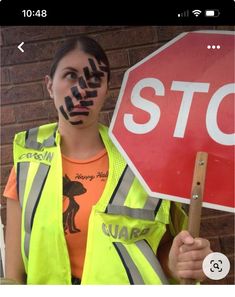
86 103
86 73
91 94
76 93
83 84
63 112
92 64
98 73
93 85
69 103
75 113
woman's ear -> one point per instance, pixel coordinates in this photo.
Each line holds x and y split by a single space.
49 83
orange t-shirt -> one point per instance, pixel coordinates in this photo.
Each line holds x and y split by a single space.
83 185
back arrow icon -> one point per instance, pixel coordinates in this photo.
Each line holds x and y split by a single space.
20 47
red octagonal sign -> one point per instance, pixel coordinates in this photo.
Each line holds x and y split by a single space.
174 103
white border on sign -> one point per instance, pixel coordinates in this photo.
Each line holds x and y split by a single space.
122 151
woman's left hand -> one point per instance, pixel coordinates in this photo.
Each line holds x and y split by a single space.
186 256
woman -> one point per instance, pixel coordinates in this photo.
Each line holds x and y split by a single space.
111 230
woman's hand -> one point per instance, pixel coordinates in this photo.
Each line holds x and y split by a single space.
186 256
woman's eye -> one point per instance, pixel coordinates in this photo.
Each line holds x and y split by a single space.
71 76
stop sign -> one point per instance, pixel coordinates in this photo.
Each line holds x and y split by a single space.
174 103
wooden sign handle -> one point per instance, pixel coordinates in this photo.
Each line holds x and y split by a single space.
197 191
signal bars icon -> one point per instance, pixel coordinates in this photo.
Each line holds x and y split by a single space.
183 14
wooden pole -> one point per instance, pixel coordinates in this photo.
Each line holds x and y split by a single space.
197 191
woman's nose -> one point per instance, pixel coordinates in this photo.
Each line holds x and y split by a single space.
78 91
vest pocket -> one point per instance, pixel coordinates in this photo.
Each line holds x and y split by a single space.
125 229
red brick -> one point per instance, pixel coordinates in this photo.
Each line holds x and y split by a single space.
2 198
207 212
111 99
214 244
231 260
77 30
166 33
104 118
110 113
5 76
1 40
15 35
45 92
25 93
7 115
116 78
126 37
225 28
29 72
33 111
227 244
51 110
222 225
118 59
6 154
137 54
32 52
228 280
5 171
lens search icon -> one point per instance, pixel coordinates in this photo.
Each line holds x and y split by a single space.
216 266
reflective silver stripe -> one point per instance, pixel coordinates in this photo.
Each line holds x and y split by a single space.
124 187
32 202
22 173
132 271
26 244
152 259
49 141
138 213
31 140
151 203
117 201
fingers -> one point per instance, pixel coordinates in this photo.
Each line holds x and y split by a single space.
199 243
186 256
193 255
192 274
183 237
189 265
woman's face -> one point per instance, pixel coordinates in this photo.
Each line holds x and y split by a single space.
79 88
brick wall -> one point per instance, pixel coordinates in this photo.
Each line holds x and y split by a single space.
25 102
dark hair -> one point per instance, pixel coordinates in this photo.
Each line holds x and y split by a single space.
87 44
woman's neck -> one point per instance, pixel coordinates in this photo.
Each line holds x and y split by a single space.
80 142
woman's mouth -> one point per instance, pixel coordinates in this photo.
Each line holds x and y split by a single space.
79 107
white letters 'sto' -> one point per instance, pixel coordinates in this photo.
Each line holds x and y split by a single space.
211 116
188 89
144 104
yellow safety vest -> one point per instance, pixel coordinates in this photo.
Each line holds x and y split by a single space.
125 226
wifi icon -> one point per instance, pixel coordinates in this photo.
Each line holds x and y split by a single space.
196 12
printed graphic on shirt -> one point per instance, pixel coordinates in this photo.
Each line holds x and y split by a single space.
100 174
70 189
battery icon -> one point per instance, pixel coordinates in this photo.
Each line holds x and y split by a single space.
212 13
